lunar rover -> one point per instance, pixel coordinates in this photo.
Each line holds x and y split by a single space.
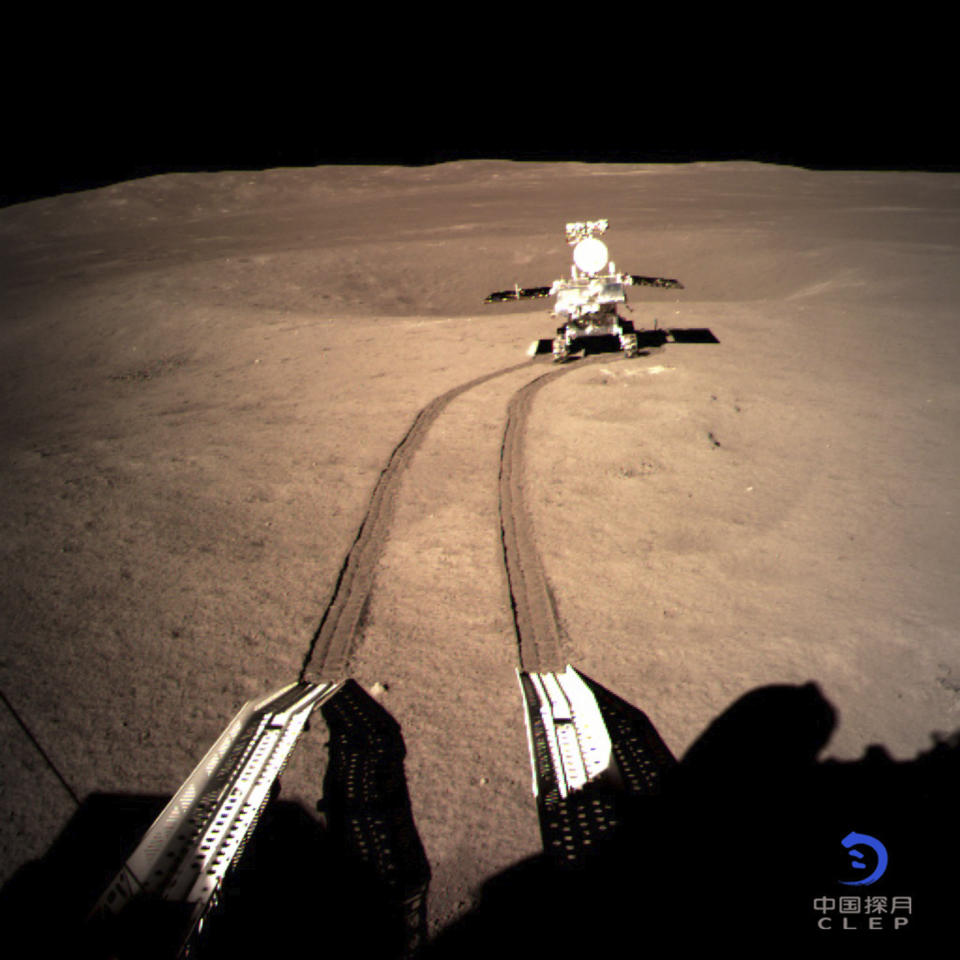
587 303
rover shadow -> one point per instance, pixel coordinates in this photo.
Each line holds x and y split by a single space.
739 843
690 335
353 879
660 336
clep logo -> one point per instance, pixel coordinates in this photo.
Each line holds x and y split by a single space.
850 841
863 911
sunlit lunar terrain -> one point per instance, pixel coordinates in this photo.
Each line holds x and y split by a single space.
203 376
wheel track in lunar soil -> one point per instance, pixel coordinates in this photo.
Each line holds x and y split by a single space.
535 620
534 611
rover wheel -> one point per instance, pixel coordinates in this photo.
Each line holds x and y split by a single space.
628 343
560 350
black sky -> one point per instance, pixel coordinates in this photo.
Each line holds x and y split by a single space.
80 114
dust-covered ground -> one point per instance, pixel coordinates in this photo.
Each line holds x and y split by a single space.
204 374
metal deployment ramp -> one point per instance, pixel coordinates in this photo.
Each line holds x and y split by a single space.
163 892
590 754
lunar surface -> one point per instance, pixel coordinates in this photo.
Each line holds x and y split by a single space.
217 388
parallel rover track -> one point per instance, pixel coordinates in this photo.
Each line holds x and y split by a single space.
535 617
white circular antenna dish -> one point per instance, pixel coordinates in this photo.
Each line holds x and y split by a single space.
590 255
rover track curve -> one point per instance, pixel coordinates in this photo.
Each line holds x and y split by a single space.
333 642
534 611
